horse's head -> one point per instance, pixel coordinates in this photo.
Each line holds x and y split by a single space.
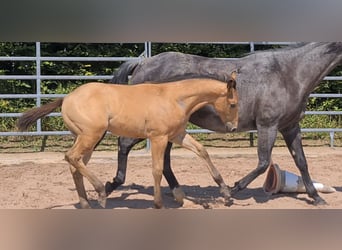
228 110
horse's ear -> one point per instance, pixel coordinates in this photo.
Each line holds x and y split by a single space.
232 81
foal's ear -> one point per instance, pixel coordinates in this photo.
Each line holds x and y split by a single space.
232 82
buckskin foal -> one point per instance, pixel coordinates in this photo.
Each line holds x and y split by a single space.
159 112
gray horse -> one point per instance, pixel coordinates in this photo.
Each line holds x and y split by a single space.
273 88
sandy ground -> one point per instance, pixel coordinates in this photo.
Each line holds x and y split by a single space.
43 180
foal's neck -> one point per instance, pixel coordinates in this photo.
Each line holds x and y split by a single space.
201 92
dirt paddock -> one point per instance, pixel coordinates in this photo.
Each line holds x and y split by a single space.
43 180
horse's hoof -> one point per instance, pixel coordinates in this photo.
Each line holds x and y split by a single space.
319 202
179 195
109 188
234 189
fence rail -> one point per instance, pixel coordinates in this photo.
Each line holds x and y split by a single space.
38 77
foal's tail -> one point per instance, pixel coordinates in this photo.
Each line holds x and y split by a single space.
122 73
29 117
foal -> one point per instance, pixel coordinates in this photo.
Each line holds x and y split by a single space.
159 112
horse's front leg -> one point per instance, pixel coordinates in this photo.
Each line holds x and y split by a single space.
158 146
293 139
186 141
266 139
125 145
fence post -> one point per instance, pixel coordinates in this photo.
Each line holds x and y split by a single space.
251 136
148 53
332 135
38 83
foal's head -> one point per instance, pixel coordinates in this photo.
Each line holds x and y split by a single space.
228 108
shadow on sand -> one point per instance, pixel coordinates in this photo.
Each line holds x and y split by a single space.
206 197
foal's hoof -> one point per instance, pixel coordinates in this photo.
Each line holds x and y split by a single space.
102 200
228 202
179 195
227 196
319 202
158 206
109 187
85 204
225 191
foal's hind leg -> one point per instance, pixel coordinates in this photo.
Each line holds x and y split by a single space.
78 156
190 143
78 179
293 141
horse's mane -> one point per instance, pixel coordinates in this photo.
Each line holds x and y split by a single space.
335 47
281 49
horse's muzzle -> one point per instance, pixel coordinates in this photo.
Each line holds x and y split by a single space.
230 127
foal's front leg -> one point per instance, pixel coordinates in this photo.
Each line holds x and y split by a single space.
125 146
158 146
186 141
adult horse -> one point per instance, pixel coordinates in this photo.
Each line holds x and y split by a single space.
159 112
273 101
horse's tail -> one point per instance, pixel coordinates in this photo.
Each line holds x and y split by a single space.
29 117
122 73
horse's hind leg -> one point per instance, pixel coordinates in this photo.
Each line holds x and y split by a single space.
293 141
78 156
190 143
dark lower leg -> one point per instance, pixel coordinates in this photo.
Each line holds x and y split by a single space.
294 143
167 171
245 181
125 146
266 139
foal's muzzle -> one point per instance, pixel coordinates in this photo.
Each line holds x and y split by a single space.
230 127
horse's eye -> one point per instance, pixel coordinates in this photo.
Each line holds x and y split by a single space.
233 105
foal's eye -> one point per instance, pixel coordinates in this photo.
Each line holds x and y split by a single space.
233 105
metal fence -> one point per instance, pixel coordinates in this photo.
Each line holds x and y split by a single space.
38 77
